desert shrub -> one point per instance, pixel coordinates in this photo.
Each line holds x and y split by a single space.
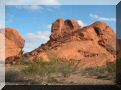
54 66
51 80
12 76
107 71
47 69
111 67
20 60
38 60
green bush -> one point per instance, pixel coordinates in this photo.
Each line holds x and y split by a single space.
110 67
103 72
44 70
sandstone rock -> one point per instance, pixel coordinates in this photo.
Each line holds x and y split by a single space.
44 56
59 27
92 46
100 25
14 44
2 47
72 25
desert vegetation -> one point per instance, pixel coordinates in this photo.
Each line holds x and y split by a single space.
107 72
40 71
56 72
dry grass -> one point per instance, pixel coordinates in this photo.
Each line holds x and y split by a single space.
41 72
105 72
55 72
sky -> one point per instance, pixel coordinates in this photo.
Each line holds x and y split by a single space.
62 2
33 22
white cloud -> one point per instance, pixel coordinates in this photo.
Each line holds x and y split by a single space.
30 7
38 36
102 18
31 46
81 23
34 40
2 25
32 2
38 7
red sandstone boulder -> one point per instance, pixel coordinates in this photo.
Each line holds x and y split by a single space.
14 44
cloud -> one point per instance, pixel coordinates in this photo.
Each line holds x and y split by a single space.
31 46
38 7
38 36
81 23
32 2
2 25
34 40
30 7
102 18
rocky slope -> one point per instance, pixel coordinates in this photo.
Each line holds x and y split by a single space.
14 44
90 46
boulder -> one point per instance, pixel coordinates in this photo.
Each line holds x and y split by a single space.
14 44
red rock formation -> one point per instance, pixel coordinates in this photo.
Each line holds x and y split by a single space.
59 27
14 44
93 45
2 46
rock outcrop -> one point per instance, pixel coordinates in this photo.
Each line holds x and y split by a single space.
2 46
59 27
90 46
14 44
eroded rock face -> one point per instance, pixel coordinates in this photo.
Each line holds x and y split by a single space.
14 44
2 46
92 46
59 27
